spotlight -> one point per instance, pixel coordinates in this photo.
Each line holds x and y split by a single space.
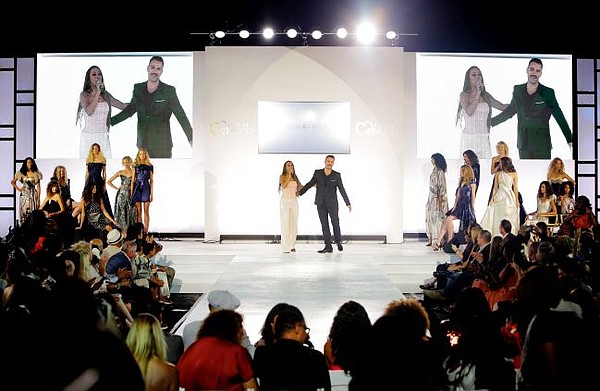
268 33
316 34
244 34
341 33
391 34
220 34
292 33
366 33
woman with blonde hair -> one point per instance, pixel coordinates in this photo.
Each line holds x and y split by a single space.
557 175
96 174
146 342
142 186
463 210
125 213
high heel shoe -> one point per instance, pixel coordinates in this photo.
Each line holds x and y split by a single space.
436 246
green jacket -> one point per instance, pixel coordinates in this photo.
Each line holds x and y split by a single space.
154 112
533 117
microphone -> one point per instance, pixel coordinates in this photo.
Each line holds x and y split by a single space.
481 88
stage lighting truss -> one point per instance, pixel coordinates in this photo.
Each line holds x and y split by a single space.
364 35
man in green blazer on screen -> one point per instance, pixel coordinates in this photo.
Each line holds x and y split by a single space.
534 103
154 102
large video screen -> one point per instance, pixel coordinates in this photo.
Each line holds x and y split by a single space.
60 80
440 80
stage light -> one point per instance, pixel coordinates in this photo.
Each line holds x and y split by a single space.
220 34
292 33
391 35
316 34
244 34
341 33
366 33
268 33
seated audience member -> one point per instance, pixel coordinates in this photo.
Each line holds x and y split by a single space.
217 360
400 355
267 330
476 359
147 343
556 348
288 364
217 300
347 337
581 218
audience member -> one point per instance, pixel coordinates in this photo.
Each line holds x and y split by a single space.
348 336
217 300
288 364
149 348
217 360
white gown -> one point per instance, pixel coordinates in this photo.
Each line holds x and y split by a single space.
502 207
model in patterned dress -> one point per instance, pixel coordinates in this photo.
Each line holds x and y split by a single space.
463 210
29 177
96 174
95 219
125 212
475 111
95 104
437 202
142 184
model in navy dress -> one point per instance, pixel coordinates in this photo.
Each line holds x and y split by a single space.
142 186
463 210
96 174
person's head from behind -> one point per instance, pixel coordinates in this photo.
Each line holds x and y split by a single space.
267 330
582 204
226 325
145 340
505 226
415 317
290 324
484 237
438 160
507 164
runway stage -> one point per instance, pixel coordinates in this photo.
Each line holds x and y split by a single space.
261 276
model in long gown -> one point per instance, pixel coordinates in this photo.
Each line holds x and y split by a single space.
95 176
65 225
28 199
125 213
141 187
464 209
434 215
503 206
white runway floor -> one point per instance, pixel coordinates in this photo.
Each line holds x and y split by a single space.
258 273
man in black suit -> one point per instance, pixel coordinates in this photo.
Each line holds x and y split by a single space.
328 181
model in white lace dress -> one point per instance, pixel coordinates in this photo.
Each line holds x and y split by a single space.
94 113
474 109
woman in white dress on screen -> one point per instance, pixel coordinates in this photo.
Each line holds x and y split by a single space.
475 111
505 199
95 108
